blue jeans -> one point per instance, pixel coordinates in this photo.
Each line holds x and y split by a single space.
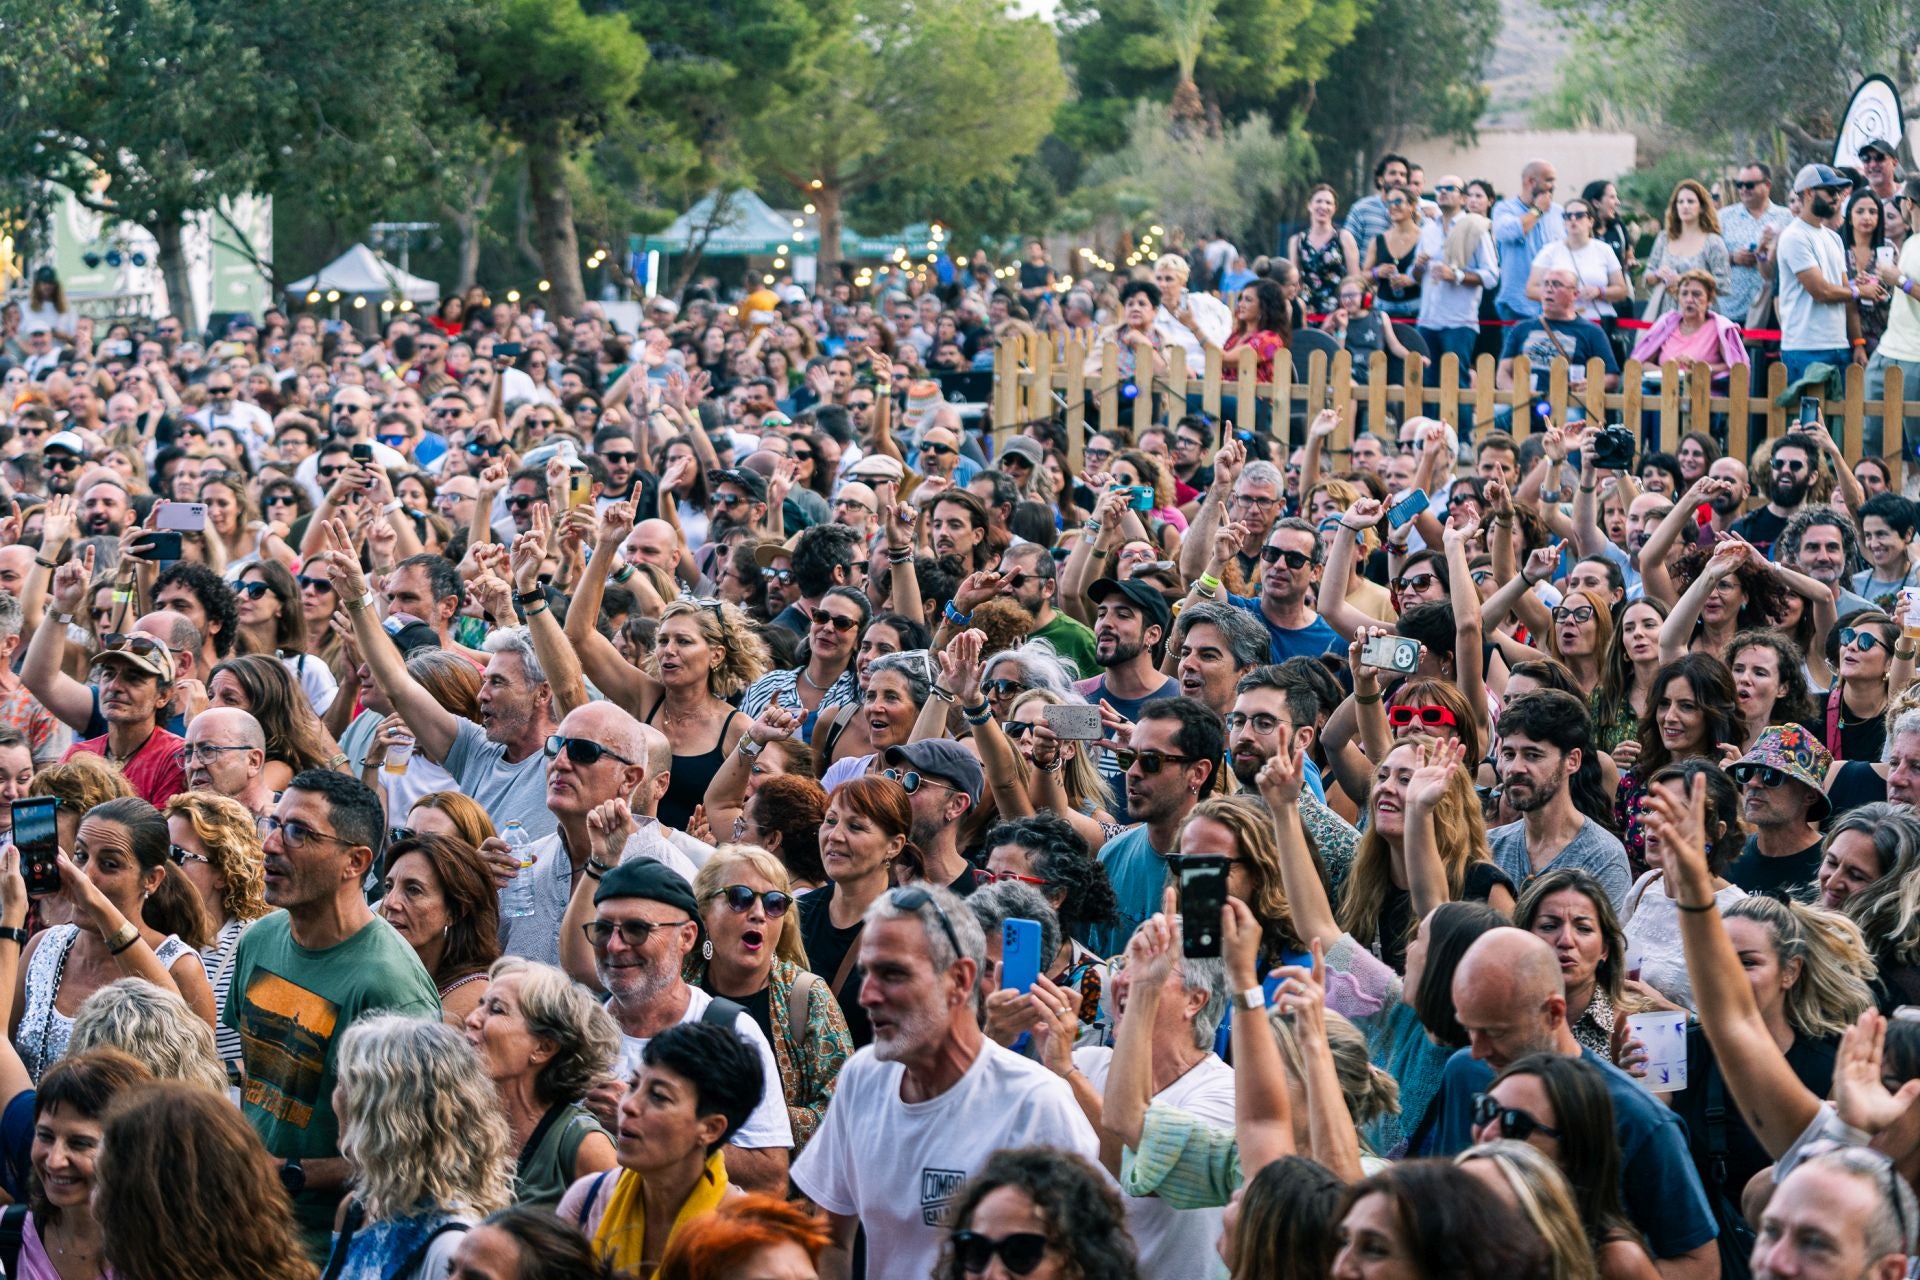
1459 341
1872 439
1796 362
1507 311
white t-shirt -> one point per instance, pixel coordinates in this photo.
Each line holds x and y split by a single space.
1175 1244
1806 325
768 1126
1593 265
897 1166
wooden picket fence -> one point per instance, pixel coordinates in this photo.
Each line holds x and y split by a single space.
1039 378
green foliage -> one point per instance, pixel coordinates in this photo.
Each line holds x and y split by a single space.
977 213
548 63
1411 65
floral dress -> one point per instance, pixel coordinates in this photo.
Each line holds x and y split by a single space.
1321 271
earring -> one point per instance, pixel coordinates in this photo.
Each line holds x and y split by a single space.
706 949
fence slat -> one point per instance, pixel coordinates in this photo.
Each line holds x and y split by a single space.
1075 360
1699 399
1413 386
1484 373
1177 376
1855 413
1668 428
1893 419
1776 414
1282 403
1245 388
1210 384
1317 383
1593 391
1109 386
1377 386
1447 402
1521 398
1739 414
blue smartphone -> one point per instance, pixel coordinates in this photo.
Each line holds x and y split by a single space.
1140 497
1019 954
1407 508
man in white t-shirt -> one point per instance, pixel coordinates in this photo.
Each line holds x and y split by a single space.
1816 324
915 1113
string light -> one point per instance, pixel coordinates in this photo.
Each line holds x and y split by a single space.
333 295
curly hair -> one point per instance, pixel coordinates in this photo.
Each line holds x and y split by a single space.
1152 475
1461 834
295 736
1786 548
1766 595
472 902
720 1244
1058 854
724 627
1795 700
584 1036
1083 1215
217 601
419 1120
231 839
1248 818
793 806
1835 967
154 1025
712 880
182 1155
1005 623
474 824
82 782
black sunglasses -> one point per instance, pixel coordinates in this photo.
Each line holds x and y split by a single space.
1415 582
1004 687
821 618
1746 186
911 780
740 899
620 457
1866 641
309 583
251 590
580 751
1150 761
1514 1123
521 501
938 450
1764 774
1294 559
914 898
1019 1253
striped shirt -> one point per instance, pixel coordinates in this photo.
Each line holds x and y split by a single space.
782 688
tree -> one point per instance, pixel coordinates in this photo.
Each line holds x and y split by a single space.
921 90
551 77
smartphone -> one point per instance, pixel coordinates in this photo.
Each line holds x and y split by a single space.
1809 410
37 837
1073 723
157 546
362 454
579 489
1391 653
1019 954
1140 497
189 517
506 351
1407 508
1203 896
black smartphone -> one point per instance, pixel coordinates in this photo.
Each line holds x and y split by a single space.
1203 896
506 351
161 544
37 836
1809 410
362 453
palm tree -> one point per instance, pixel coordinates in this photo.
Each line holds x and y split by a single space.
1186 23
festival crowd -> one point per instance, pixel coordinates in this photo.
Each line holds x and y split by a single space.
506 798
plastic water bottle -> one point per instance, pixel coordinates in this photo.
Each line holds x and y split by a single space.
516 900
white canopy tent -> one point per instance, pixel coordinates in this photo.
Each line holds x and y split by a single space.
360 271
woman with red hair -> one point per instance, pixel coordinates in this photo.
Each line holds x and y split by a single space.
746 1236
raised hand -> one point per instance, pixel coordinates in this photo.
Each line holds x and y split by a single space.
1056 1012
1676 816
616 522
775 724
1240 938
1541 562
1363 514
978 588
1281 777
609 826
340 563
1860 1094
960 666
493 478
1499 498
494 594
679 472
1226 466
57 525
1228 538
1155 945
1324 423
1440 761
1729 555
1303 998
70 581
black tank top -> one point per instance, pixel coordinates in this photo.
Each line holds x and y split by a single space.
691 776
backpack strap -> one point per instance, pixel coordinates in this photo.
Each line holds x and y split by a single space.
586 1205
1716 1118
13 1233
723 1013
800 1004
412 1263
337 1259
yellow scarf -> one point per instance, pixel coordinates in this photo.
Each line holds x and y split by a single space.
621 1237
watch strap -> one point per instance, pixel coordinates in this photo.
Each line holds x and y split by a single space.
1253 998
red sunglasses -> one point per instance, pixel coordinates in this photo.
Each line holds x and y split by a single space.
1430 717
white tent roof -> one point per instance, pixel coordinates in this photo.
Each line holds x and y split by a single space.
746 226
360 271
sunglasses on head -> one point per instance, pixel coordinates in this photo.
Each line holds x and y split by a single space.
580 751
821 618
1019 1253
740 899
1514 1123
1294 559
1764 774
1862 639
1430 717
1150 761
144 646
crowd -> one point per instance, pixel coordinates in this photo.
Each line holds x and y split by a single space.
536 802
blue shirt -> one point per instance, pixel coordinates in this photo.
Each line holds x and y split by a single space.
1139 875
1367 219
1518 247
1659 1185
1309 641
1542 341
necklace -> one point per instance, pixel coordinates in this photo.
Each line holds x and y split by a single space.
809 679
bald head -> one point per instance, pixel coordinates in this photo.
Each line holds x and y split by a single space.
574 786
654 542
1510 997
227 727
178 633
610 726
16 563
226 754
658 753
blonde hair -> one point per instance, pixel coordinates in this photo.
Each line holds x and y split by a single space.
1835 966
1079 775
1252 826
155 1026
1460 835
712 878
585 1038
743 654
82 782
1369 1092
232 841
420 1120
1546 1198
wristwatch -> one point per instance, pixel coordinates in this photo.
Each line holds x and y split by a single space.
1253 998
293 1177
748 747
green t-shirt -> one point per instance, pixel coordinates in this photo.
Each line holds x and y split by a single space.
1072 640
290 1007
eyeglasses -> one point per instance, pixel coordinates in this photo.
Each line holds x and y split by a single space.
1764 774
1019 1253
1294 559
294 834
1862 639
1002 877
1580 614
1096 455
580 751
1263 724
911 780
1150 761
632 932
740 899
1415 582
251 590
850 502
781 576
194 752
1431 717
181 857
1249 500
912 899
1514 1123
455 412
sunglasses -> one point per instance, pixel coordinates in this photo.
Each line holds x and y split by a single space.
1431 717
1576 215
1782 464
911 780
727 500
521 501
181 857
632 932
938 450
61 462
477 449
1862 639
143 646
280 500
1294 559
821 618
621 457
1514 1123
251 590
1747 186
328 473
448 413
781 576
1415 582
740 899
1764 774
1150 761
1003 687
1019 1253
580 751
915 898
1579 613
309 583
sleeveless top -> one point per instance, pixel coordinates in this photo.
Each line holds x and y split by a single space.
44 1030
218 960
688 785
544 1169
1396 302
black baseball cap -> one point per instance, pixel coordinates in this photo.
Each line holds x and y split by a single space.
752 481
1143 595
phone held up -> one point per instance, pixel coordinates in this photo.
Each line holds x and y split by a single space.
1203 896
37 836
